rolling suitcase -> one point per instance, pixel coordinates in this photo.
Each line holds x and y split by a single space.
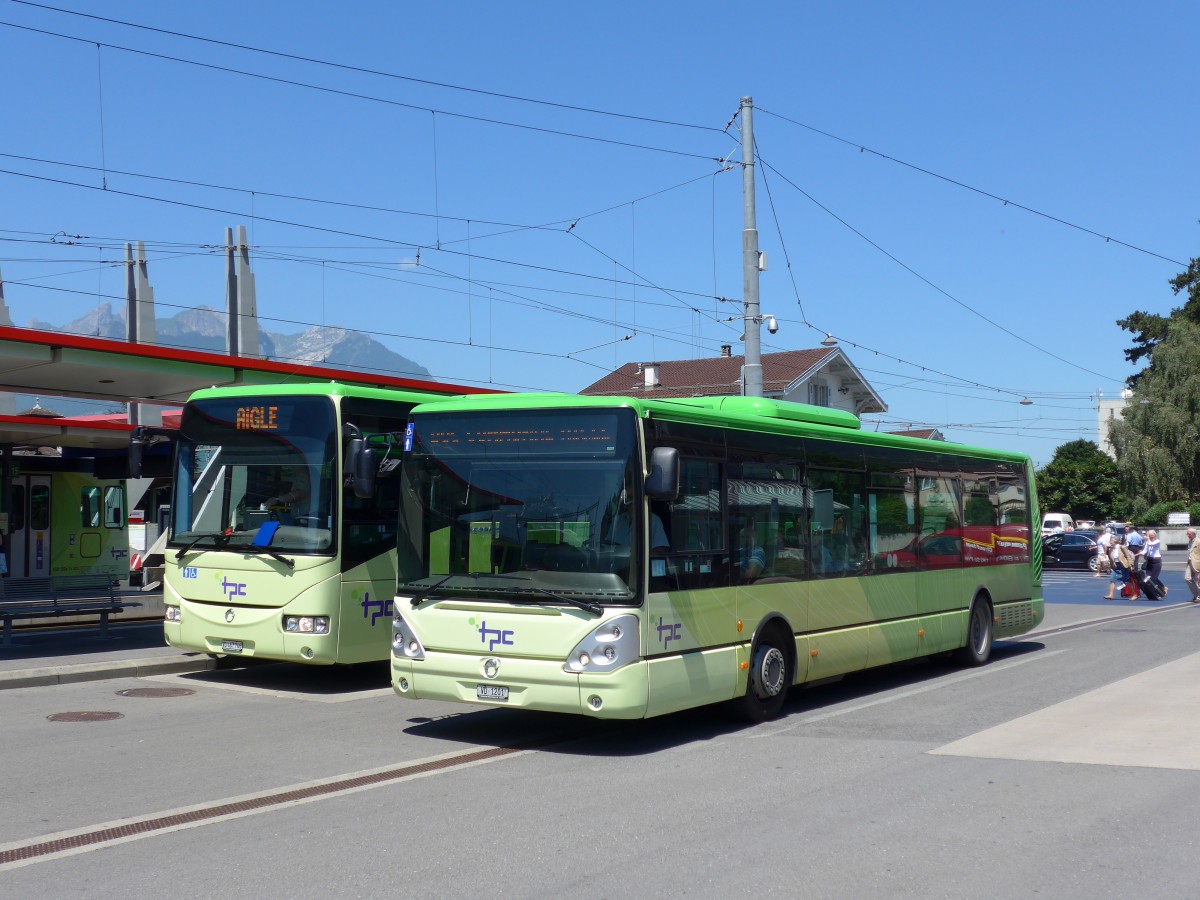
1148 586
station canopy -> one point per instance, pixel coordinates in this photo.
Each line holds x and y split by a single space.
46 364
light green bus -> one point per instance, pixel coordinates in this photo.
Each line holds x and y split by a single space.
626 558
282 541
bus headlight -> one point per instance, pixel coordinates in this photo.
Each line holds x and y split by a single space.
306 624
608 646
404 642
174 614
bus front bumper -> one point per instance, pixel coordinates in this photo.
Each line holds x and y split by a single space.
251 633
523 684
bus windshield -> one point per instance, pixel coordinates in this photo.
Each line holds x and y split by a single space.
528 504
256 471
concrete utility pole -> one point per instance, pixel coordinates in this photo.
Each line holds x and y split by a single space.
8 402
752 375
240 297
139 322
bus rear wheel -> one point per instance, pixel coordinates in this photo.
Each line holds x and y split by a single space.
769 679
979 634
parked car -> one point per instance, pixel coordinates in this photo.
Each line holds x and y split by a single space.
1056 522
1073 549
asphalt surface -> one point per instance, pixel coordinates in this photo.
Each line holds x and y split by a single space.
77 653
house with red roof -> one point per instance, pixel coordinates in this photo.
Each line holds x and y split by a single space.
823 376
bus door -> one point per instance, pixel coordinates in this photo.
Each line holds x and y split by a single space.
29 527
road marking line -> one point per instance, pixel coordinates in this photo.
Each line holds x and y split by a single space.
94 837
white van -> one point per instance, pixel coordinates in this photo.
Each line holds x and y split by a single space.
1056 522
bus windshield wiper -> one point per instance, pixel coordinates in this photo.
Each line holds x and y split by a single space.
221 538
594 608
259 548
429 592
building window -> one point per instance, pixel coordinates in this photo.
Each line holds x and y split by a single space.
818 393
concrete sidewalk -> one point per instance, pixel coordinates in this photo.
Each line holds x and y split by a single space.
77 653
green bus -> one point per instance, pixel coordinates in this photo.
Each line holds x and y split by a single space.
64 518
282 527
625 558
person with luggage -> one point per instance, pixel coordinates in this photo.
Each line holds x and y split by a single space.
1153 556
1142 582
1122 574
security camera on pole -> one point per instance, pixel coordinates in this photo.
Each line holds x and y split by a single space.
752 376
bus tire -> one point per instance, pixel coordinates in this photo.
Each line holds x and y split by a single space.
979 634
769 679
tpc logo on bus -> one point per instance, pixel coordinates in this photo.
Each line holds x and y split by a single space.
494 636
232 588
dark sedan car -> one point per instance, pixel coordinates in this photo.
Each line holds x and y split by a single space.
1072 549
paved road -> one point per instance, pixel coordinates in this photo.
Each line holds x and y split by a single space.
1067 767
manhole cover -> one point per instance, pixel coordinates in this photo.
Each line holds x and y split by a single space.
91 715
156 692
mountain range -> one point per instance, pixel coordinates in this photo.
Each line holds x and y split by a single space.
203 328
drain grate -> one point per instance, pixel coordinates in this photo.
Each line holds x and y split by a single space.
156 692
89 715
160 823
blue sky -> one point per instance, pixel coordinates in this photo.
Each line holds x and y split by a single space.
889 137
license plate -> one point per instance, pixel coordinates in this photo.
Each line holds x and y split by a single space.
491 692
231 646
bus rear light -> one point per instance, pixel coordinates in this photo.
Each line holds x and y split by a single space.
306 624
174 614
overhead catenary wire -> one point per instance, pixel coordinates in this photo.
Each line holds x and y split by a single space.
998 326
291 82
439 244
367 71
690 307
510 298
862 148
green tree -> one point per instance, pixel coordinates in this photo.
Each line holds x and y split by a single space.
1158 441
1150 329
1080 480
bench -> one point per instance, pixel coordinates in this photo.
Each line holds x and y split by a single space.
60 595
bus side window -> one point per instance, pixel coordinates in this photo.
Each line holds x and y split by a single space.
693 524
89 507
114 507
837 524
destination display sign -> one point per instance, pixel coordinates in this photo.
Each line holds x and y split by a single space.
524 434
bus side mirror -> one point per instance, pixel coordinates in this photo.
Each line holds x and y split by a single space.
663 481
361 466
136 445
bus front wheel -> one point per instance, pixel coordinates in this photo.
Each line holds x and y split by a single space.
979 634
769 679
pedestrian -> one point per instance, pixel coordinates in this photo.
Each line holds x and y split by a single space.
1104 553
1193 565
1153 556
1122 573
